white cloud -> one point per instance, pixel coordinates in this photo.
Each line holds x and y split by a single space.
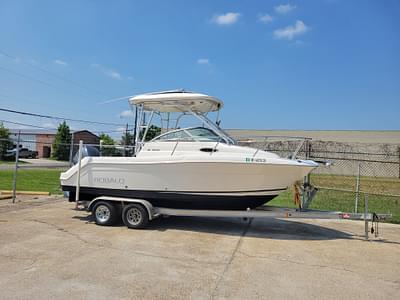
13 58
203 61
107 71
291 31
226 19
113 74
266 18
121 129
74 128
126 114
130 78
60 62
284 8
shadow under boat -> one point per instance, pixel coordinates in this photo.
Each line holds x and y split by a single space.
270 228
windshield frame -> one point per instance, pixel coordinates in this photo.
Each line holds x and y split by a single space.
192 138
143 123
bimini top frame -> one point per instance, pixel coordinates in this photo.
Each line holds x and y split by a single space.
176 101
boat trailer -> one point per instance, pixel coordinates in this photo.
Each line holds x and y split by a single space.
136 213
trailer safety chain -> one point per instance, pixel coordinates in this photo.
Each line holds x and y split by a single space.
375 221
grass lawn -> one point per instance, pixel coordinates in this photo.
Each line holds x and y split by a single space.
47 180
43 180
10 162
327 199
372 185
344 201
7 162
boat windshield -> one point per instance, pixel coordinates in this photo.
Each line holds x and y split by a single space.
199 134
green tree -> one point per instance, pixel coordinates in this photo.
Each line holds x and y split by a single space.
151 133
127 139
107 141
5 142
62 142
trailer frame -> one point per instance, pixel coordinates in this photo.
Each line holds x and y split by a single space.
272 212
302 212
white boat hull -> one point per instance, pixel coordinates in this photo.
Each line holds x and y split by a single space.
185 184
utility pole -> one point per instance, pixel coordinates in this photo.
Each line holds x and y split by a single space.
14 192
357 187
135 131
126 139
71 149
78 179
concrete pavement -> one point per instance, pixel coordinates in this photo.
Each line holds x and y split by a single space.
30 163
48 250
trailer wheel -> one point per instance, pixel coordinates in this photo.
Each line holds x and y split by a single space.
104 213
135 216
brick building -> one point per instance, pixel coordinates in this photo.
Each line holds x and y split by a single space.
86 136
39 140
42 140
44 144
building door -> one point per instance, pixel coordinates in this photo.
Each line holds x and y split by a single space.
46 151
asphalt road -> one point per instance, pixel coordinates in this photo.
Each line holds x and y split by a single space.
48 250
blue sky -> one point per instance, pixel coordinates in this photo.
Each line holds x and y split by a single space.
276 64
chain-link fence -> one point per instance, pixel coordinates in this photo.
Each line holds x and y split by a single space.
353 170
32 168
347 172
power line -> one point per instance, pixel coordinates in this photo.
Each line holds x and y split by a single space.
54 74
24 124
30 78
49 128
58 118
40 81
115 99
30 100
16 99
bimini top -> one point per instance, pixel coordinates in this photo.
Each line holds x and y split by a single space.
177 101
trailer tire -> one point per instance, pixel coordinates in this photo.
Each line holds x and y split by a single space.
105 213
135 216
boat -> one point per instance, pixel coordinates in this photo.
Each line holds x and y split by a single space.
194 167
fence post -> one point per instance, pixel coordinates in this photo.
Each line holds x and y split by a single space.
78 180
366 216
398 150
101 147
307 179
308 149
71 149
357 188
14 192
